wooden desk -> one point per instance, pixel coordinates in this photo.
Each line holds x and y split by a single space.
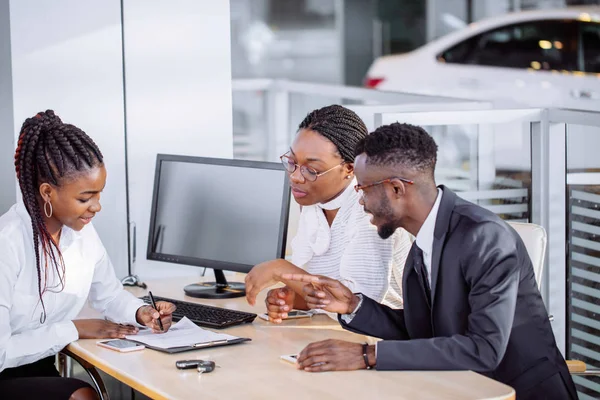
254 370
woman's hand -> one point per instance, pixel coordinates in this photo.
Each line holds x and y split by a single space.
324 293
148 316
267 274
279 302
102 329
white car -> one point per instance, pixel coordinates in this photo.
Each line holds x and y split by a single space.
544 58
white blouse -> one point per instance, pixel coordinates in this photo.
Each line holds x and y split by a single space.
88 274
350 250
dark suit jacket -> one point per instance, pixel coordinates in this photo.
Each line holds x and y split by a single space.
486 312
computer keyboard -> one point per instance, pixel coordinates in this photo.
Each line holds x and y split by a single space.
207 316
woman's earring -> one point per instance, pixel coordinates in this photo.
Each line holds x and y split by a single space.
349 177
46 204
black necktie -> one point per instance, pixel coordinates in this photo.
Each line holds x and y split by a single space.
419 265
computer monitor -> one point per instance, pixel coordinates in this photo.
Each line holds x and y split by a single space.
220 214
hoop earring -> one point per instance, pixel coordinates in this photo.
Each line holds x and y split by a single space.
48 214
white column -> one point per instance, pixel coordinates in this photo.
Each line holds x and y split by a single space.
67 56
7 143
178 93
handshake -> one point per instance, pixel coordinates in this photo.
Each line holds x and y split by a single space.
305 291
318 292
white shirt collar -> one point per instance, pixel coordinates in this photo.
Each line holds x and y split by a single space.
425 234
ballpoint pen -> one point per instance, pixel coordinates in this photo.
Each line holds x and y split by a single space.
154 306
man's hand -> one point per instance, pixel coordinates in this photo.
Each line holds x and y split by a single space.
148 316
334 355
325 293
279 302
102 329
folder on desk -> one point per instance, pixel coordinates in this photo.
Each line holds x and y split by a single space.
184 336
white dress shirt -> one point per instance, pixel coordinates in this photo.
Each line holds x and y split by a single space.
89 274
350 250
425 234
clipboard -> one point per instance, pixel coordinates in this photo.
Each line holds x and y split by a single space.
184 336
197 346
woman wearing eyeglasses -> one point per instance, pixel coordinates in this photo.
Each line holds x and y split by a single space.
335 237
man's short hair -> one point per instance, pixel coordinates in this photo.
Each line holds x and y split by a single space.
400 145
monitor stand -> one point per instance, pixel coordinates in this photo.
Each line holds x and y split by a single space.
221 289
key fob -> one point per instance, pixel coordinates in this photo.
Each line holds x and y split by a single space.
206 366
188 364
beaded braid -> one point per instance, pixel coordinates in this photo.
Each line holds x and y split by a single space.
48 151
339 125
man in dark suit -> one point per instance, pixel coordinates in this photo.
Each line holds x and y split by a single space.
470 295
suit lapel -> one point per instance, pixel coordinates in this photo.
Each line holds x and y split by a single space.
442 225
435 264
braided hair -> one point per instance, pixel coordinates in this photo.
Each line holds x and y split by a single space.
47 152
339 125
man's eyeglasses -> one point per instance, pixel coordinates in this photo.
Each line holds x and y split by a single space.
358 188
310 174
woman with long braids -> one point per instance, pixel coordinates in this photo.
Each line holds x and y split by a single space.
52 261
335 237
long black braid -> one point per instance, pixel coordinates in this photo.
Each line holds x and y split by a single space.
48 151
339 125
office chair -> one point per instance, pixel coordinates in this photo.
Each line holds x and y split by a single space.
534 237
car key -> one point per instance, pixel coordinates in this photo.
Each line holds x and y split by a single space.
206 366
187 364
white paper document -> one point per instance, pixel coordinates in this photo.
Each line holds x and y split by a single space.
183 333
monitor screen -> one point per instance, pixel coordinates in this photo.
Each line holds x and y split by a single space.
218 213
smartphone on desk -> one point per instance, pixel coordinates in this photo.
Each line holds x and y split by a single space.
292 358
121 345
294 314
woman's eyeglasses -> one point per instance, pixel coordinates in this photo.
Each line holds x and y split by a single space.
309 173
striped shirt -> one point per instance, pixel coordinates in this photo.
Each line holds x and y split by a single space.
351 251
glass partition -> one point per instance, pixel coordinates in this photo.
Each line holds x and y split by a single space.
583 255
266 113
488 164
249 125
484 155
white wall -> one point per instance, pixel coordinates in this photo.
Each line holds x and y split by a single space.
7 144
66 56
178 97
